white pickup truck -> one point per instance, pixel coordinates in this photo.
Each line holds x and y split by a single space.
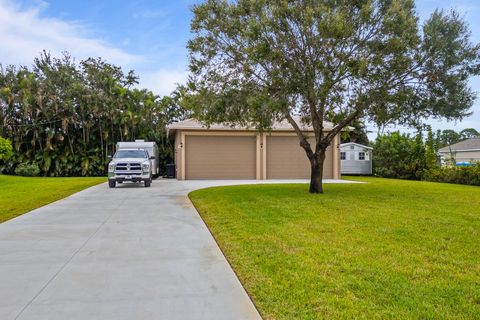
149 146
133 165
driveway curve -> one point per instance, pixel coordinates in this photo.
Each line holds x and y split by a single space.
123 253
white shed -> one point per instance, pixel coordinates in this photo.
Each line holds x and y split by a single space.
355 158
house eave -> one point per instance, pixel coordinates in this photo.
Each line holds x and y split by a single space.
459 150
193 125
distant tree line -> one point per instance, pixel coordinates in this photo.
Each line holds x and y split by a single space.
66 117
448 137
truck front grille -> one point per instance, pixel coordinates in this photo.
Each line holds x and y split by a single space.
133 166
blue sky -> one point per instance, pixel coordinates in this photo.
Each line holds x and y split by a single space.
145 35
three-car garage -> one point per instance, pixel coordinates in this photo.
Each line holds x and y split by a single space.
221 152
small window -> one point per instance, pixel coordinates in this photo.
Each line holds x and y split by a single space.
361 156
343 156
352 147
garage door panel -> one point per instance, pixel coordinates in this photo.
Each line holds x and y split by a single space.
287 160
220 157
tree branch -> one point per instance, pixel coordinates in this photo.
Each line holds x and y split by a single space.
303 140
342 124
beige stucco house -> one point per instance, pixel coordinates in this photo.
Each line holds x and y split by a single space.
225 152
467 151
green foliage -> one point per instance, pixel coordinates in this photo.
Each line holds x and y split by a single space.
469 133
448 137
358 134
27 169
401 156
430 151
451 174
6 150
68 117
398 155
254 62
447 47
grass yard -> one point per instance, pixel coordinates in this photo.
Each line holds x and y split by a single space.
389 249
19 195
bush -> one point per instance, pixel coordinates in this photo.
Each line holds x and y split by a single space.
459 175
6 149
27 169
397 155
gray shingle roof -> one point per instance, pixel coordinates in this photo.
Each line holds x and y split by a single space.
469 144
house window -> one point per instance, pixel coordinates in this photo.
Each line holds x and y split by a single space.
343 156
352 147
361 156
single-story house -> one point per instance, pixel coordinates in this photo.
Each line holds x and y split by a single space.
467 151
221 151
355 158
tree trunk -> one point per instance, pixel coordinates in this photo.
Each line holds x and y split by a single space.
316 177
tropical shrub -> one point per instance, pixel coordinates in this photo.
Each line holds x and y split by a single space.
459 175
6 150
398 155
27 169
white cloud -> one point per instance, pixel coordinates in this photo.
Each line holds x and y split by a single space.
25 33
162 81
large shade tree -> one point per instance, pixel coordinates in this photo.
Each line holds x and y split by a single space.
256 62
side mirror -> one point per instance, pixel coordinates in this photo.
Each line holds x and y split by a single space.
152 157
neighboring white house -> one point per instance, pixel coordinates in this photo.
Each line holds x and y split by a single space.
355 158
463 152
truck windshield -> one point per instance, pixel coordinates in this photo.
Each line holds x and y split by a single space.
131 154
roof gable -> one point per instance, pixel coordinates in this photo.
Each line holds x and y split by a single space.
355 144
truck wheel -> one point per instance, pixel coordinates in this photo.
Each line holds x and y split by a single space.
148 182
111 183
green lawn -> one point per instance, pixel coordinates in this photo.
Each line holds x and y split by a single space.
389 249
20 194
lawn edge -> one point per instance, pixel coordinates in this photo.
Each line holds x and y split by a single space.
223 253
48 203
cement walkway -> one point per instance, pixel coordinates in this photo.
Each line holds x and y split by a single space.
123 253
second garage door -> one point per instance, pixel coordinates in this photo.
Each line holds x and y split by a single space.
220 157
287 160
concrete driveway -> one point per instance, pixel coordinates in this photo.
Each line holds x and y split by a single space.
123 253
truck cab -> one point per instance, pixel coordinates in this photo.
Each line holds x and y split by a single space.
132 165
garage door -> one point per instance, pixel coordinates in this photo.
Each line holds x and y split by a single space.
287 160
220 157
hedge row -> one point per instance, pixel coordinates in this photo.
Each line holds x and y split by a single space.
460 175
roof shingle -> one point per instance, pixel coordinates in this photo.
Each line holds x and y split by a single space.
469 144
